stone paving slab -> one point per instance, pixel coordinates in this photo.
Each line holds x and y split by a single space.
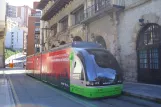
144 91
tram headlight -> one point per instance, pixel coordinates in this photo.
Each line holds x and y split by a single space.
92 83
119 79
96 83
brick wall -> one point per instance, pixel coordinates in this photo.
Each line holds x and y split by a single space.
30 37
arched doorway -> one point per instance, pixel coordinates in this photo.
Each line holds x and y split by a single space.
77 38
100 40
53 46
149 54
62 42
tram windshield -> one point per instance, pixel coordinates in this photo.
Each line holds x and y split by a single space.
104 59
107 67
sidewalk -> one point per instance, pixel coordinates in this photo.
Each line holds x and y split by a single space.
144 91
6 99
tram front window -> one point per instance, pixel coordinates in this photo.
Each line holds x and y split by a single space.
106 66
104 59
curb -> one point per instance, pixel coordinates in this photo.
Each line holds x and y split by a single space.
153 85
144 97
15 97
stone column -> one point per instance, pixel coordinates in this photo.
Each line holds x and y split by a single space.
71 20
41 35
1 53
59 27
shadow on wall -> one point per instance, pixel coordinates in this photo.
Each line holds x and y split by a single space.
62 43
77 38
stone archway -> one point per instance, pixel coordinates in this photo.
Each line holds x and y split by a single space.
100 40
149 54
148 19
62 43
77 38
53 46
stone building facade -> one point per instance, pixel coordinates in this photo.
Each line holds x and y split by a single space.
118 25
129 28
2 31
62 26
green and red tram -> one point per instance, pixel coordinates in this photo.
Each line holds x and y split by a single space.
82 68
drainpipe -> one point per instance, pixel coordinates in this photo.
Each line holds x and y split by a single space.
41 36
86 25
116 20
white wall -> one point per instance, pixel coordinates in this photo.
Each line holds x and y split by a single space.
2 10
17 39
8 40
11 23
22 14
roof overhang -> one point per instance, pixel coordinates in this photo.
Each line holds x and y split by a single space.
57 6
42 4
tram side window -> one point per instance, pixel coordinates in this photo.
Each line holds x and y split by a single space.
78 70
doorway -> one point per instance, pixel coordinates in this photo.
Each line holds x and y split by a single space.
149 54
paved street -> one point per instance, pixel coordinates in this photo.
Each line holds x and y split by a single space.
30 93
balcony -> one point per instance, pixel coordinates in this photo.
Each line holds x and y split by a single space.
102 6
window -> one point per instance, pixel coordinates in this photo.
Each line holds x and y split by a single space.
100 4
148 50
64 23
104 59
105 63
54 29
150 35
37 29
37 49
154 58
37 23
79 15
78 71
143 59
38 13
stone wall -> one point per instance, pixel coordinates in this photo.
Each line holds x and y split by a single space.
78 30
128 29
74 30
104 27
66 11
120 36
1 53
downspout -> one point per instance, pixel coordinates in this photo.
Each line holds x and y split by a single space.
116 22
86 25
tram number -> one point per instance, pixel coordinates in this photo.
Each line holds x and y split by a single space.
64 84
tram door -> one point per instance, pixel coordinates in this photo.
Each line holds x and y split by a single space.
149 54
44 68
77 74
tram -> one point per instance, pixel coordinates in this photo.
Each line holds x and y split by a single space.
83 68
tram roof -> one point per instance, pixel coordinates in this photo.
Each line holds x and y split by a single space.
83 45
86 45
77 45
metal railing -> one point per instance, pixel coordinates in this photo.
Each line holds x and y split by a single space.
97 7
